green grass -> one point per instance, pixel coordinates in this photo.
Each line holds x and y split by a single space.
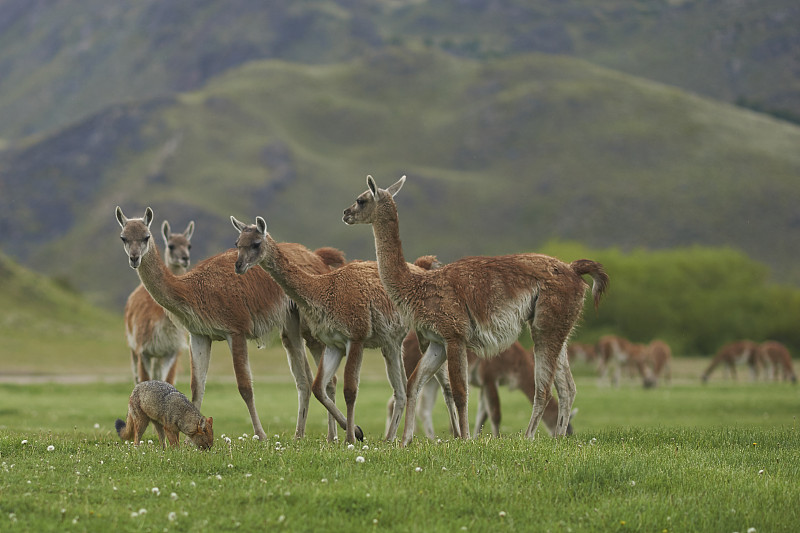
687 457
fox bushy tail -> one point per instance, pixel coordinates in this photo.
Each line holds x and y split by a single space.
124 429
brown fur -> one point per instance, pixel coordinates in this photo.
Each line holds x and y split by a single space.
347 309
777 356
618 354
733 354
154 339
214 303
513 367
480 303
581 352
169 410
658 358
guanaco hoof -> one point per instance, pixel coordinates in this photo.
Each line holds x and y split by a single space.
359 434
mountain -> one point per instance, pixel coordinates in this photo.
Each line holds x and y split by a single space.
501 156
63 61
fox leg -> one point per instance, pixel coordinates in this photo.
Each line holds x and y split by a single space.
160 431
172 437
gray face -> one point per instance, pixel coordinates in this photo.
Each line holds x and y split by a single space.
135 236
248 248
360 212
177 254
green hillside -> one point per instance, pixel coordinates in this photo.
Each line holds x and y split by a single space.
63 61
47 327
501 156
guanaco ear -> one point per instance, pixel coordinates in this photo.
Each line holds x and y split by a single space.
373 187
189 231
238 224
395 188
122 219
148 217
261 224
165 231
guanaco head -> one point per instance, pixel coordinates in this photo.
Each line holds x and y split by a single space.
177 246
204 438
135 235
251 245
364 209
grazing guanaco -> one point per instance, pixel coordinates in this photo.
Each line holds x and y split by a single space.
742 352
777 356
618 353
480 303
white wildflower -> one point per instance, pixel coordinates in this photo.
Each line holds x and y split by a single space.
360 459
51 448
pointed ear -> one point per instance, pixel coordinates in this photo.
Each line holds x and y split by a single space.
148 217
373 187
122 219
395 188
209 422
238 224
261 224
189 231
165 231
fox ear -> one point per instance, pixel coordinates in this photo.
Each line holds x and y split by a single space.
209 421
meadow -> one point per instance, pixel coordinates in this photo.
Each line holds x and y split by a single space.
681 457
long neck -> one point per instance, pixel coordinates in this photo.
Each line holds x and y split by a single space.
157 279
293 280
392 266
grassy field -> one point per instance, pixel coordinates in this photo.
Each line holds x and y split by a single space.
683 457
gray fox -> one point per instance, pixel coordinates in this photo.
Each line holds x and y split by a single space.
169 410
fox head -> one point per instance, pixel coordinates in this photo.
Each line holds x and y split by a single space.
204 437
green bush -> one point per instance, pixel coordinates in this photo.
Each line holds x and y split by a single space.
695 298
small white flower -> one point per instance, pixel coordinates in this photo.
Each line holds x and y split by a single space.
751 530
97 426
230 466
172 516
173 496
256 437
134 514
227 440
633 483
149 441
360 459
365 447
51 448
142 511
418 469
219 477
761 471
281 518
350 447
193 484
444 469
155 491
323 480
24 441
375 521
502 514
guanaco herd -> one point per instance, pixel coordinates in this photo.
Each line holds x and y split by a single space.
437 326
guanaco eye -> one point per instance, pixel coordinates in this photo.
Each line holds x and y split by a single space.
361 201
172 247
189 247
123 239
